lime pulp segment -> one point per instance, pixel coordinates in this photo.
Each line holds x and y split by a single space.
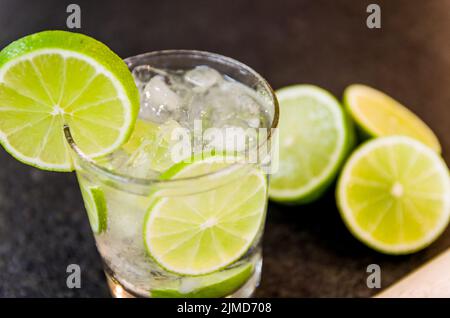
199 233
394 194
379 115
314 138
54 78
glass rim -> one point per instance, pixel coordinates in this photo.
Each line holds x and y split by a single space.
123 178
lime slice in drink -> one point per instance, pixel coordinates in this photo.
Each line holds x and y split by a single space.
377 115
314 138
214 285
95 204
53 78
208 229
394 194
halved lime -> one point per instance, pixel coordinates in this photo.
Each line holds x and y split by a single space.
95 204
214 285
379 115
207 229
394 194
314 139
53 78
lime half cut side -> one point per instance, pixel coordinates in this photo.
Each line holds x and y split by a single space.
379 115
314 138
199 233
215 285
53 78
394 194
95 204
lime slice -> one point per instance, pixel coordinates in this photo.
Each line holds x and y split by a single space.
394 194
214 285
95 204
53 78
377 115
194 234
314 138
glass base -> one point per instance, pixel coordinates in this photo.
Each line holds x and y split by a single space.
120 291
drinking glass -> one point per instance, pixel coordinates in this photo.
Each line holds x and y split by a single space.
118 204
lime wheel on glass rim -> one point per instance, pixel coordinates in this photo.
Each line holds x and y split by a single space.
53 78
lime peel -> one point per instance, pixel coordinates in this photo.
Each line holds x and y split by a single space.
96 208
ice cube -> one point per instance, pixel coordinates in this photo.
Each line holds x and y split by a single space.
179 85
229 139
114 160
177 142
165 131
125 214
254 122
153 155
141 162
197 108
235 105
158 101
142 74
214 108
202 77
248 102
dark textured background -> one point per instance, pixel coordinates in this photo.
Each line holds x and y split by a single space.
307 250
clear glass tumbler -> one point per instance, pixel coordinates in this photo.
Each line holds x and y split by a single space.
125 211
